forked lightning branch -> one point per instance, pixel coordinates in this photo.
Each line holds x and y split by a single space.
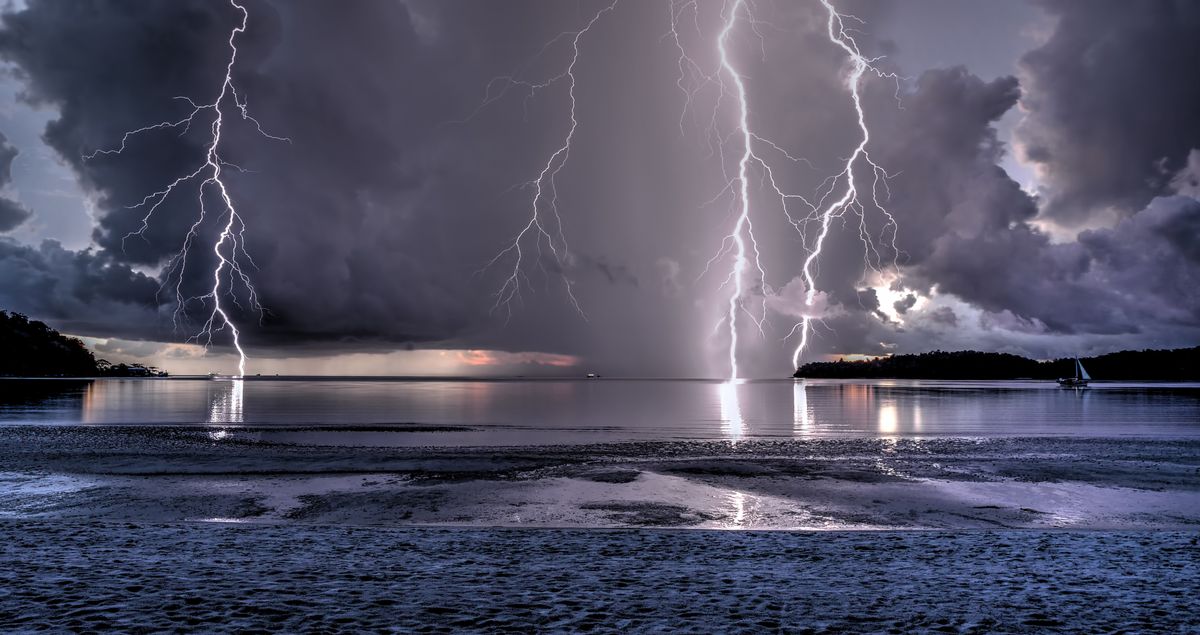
215 209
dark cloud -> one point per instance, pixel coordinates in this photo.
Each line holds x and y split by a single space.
944 316
1112 101
377 222
83 292
967 227
943 146
124 67
904 304
12 213
1149 264
345 189
374 228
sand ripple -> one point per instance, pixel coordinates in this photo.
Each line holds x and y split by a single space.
209 577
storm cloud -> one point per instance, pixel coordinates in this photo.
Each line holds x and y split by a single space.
971 231
374 226
1111 102
80 291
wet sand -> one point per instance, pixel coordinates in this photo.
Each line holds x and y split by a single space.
187 527
211 577
148 474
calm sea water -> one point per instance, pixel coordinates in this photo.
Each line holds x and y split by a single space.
407 412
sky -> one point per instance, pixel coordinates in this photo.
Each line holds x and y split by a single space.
1040 162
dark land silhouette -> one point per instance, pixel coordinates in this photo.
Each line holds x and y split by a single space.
1182 364
29 348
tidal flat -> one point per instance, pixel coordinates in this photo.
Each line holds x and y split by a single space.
234 527
186 473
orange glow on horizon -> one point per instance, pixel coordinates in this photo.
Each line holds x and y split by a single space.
483 357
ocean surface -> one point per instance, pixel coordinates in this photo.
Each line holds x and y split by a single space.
431 412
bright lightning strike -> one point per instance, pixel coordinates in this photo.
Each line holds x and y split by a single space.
760 154
544 226
849 200
229 246
743 229
747 272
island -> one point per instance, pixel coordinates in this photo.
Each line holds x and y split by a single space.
1182 364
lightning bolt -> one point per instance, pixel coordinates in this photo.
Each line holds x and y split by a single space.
849 201
229 246
761 155
544 226
743 228
746 272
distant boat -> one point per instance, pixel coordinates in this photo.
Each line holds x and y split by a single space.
1080 380
592 376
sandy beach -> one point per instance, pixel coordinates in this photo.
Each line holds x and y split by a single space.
238 578
159 527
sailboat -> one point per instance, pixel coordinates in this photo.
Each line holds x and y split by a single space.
1080 380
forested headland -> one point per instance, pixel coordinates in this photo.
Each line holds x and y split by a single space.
1182 364
29 348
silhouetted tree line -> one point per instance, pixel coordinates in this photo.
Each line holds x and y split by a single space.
1181 364
29 348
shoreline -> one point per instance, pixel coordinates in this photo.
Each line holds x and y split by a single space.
167 474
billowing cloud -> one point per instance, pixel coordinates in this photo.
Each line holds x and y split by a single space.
82 292
11 214
347 190
373 229
969 230
1111 104
904 304
375 226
